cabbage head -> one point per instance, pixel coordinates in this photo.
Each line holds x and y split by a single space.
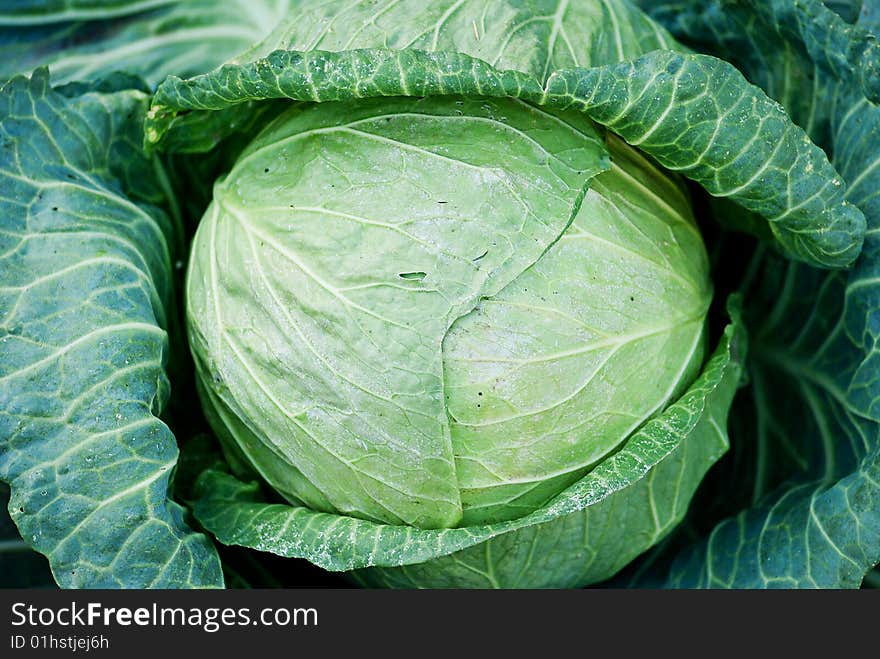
441 312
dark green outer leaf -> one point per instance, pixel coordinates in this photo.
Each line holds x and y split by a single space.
850 53
13 12
688 111
807 538
86 256
86 40
809 432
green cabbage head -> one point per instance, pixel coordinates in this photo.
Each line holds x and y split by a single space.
441 312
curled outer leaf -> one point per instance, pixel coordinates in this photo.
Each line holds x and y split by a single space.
693 113
696 115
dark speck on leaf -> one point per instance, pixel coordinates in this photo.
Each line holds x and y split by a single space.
413 275
632 299
266 171
54 208
479 393
442 202
480 256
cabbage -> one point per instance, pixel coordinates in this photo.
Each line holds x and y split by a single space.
449 294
